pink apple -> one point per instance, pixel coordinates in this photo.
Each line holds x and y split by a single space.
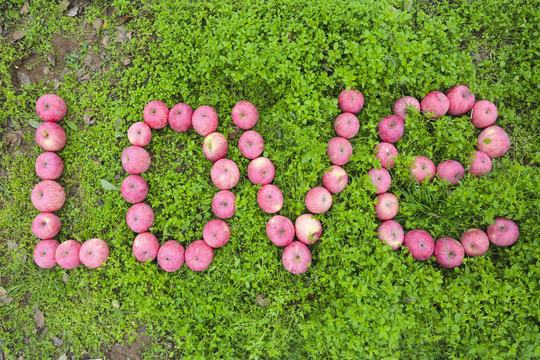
135 160
225 174
48 196
335 179
434 105
245 115
391 128
216 233
391 233
308 229
94 253
480 164
134 189
420 244
205 120
139 134
484 114
503 232
351 101
67 254
251 144
180 117
215 146
339 150
224 204
199 255
381 179
171 256
450 171
44 253
46 225
145 247
50 136
261 171
49 166
475 242
461 100
386 206
51 107
346 125
296 258
422 169
493 141
318 200
140 217
448 252
270 198
387 154
156 114
280 230
401 105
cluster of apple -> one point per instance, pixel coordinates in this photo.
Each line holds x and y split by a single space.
48 196
493 142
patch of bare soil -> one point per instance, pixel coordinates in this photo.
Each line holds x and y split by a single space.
132 351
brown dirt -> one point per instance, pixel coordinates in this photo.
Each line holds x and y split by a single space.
132 351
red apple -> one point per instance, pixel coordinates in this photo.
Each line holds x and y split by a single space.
139 134
381 179
140 217
245 115
134 189
94 253
401 105
199 255
308 229
205 120
335 179
422 169
503 232
280 230
461 100
448 252
49 166
339 150
46 225
215 146
145 247
318 200
135 160
261 171
420 244
387 154
156 114
270 198
475 242
67 254
224 204
225 174
346 125
50 136
391 233
434 105
51 107
351 101
296 258
386 206
216 233
391 128
171 256
480 164
48 196
44 253
493 141
450 171
251 144
484 114
180 117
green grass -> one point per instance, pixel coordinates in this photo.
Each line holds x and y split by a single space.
291 59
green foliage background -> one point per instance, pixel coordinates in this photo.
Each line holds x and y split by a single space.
291 59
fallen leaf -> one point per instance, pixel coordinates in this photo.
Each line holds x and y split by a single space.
65 278
122 34
79 73
408 4
108 186
26 8
18 35
13 139
63 357
73 12
105 41
63 5
23 78
115 304
39 319
261 301
126 62
97 23
85 77
234 132
56 341
43 332
12 245
124 19
33 123
88 59
88 117
118 124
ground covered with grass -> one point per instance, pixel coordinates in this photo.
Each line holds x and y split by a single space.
291 59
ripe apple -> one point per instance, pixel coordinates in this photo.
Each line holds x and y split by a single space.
225 174
423 169
318 200
156 114
171 255
351 101
261 171
503 232
434 105
381 179
451 171
67 254
448 252
205 120
145 247
251 144
48 196
224 204
140 217
280 230
391 128
44 253
335 179
484 114
245 115
51 107
50 136
49 166
134 189
180 117
387 206
401 105
391 234
387 154
199 255
296 258
339 150
135 160
215 146
480 164
46 225
308 229
139 134
346 125
94 253
475 242
493 141
461 100
216 233
270 198
420 244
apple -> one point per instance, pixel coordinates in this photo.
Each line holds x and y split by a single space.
280 230
270 198
475 242
51 107
391 128
48 196
484 114
401 105
245 115
205 120
318 200
493 141
180 117
448 252
308 229
450 171
351 101
216 233
199 255
145 247
422 169
215 146
44 253
346 125
420 244
387 206
461 100
225 174
251 144
391 233
156 114
94 253
49 166
480 164
135 160
46 225
171 256
387 154
67 254
50 136
339 150
140 217
134 189
261 171
139 134
434 105
296 258
224 204
503 232
381 179
335 179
